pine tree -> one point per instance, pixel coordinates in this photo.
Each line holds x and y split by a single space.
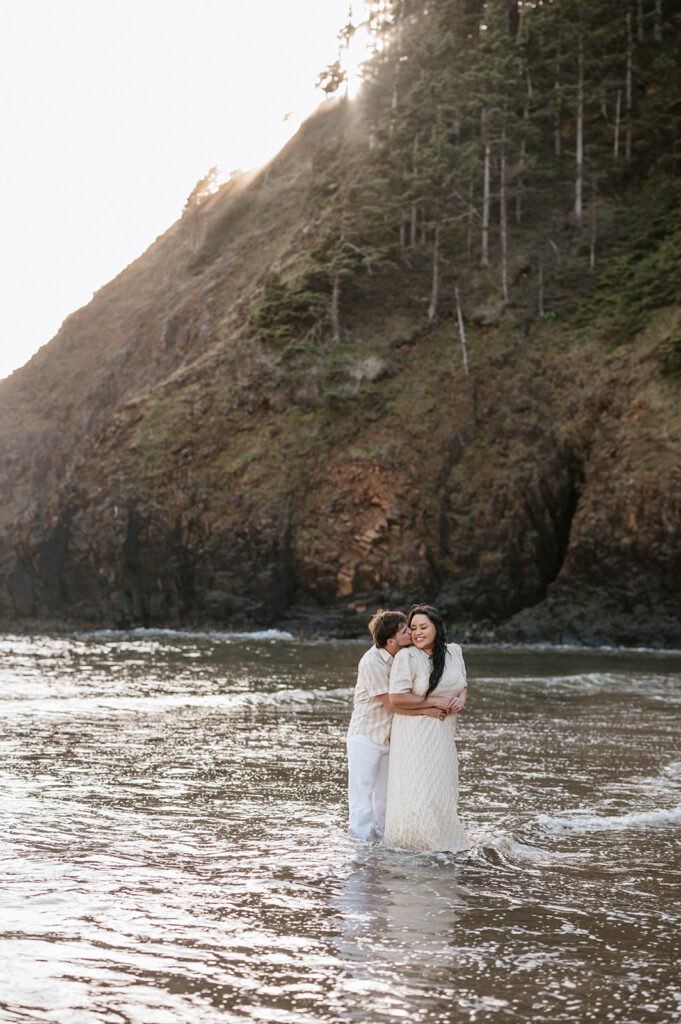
473 109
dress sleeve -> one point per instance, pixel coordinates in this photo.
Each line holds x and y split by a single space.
402 673
462 664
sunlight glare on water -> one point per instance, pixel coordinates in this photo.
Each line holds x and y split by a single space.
174 846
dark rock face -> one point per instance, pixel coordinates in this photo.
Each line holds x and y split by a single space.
509 561
624 587
558 553
134 571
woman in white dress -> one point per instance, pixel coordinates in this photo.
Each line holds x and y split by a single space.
423 774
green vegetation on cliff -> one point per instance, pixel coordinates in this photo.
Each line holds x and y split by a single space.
513 148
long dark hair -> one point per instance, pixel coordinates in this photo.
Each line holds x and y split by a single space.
439 646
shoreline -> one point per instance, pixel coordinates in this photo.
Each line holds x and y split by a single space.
287 631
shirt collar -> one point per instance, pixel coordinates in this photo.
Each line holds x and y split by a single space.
386 655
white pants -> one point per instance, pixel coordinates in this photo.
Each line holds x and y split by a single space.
367 785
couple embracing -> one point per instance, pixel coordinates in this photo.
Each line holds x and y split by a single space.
402 761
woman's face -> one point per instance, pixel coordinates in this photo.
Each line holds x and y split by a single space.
423 633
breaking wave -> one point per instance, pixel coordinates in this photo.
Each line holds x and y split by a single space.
582 823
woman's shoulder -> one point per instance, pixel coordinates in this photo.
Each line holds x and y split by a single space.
407 655
454 651
404 654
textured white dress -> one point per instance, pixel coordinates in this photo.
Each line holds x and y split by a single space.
423 768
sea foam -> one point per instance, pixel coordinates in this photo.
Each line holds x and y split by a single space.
653 818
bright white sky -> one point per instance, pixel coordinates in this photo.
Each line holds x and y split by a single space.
111 110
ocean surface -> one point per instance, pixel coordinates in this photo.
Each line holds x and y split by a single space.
174 844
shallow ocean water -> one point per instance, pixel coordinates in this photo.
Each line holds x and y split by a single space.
174 848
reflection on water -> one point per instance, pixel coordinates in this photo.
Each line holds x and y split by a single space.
174 850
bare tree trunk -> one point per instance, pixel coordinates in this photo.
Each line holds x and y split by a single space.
335 302
435 290
414 210
618 117
393 104
396 74
540 304
484 135
469 236
657 24
579 153
403 222
521 23
523 152
629 86
456 123
557 127
462 330
503 219
640 26
592 243
197 232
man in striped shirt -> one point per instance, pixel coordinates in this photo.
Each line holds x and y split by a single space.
369 730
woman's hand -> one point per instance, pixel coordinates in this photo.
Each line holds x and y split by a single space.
457 703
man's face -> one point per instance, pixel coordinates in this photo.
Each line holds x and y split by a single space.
403 635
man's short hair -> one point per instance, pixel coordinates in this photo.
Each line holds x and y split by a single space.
384 625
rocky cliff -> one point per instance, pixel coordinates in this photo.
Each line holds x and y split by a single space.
165 463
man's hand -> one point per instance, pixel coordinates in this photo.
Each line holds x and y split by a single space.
434 713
